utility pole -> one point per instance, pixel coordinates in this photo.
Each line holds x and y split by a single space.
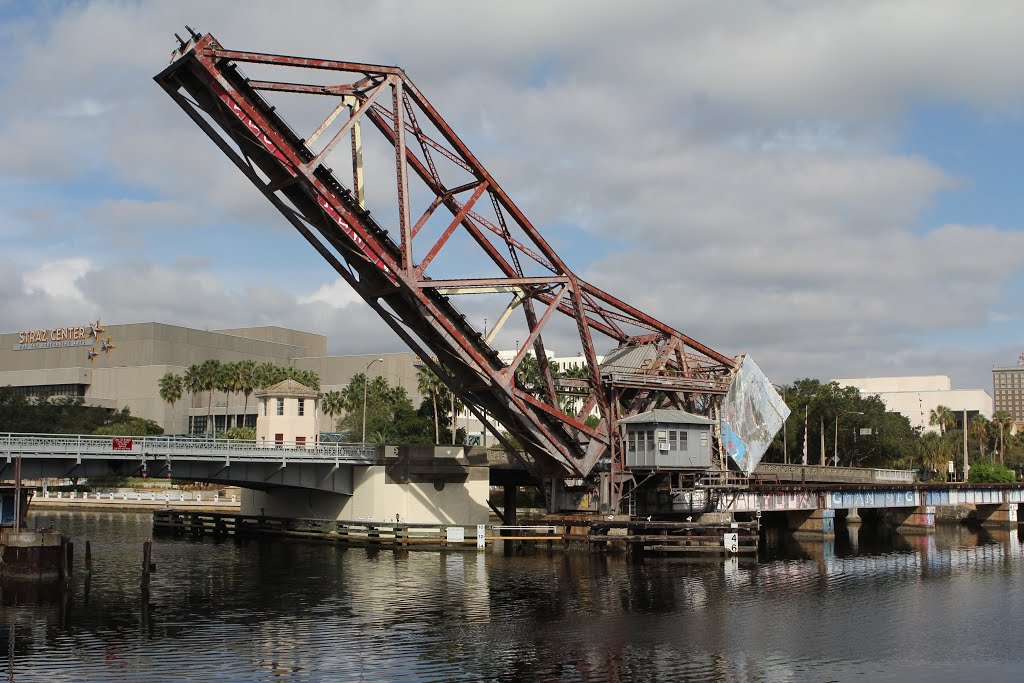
967 467
822 418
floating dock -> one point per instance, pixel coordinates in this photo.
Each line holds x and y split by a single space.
598 535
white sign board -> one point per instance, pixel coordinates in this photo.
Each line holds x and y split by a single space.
480 536
455 534
731 542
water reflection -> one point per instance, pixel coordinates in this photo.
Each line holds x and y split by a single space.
868 603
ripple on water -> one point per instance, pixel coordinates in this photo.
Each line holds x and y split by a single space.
262 611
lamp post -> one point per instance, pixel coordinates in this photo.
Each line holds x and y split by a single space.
835 445
366 381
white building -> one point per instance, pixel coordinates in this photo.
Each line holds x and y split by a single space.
916 397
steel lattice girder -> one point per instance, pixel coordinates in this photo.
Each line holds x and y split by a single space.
203 78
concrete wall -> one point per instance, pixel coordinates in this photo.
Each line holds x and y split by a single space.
377 498
299 503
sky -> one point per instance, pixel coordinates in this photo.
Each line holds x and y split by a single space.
832 188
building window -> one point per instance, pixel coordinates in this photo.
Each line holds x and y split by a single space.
673 440
302 407
631 442
279 438
280 406
300 441
682 440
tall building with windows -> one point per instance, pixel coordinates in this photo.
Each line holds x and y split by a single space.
1008 390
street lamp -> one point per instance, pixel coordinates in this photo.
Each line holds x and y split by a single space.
366 381
835 444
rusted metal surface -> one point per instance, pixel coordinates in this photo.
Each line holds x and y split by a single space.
381 265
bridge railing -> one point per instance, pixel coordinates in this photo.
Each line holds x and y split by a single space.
196 448
826 474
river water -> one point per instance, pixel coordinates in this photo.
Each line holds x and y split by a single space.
875 607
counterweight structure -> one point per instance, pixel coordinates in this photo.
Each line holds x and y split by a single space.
396 270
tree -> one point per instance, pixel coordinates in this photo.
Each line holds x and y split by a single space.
193 381
228 382
1002 420
390 416
979 429
332 405
209 378
429 384
943 418
171 386
246 383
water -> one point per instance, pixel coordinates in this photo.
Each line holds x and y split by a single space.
946 607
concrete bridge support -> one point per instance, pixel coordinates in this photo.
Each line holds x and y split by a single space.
1000 516
915 520
509 510
817 524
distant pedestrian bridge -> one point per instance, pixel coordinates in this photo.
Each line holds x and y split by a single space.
325 467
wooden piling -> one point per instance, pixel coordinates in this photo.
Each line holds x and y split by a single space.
147 562
88 557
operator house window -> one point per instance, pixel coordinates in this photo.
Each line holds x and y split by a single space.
631 442
302 407
682 440
280 406
673 440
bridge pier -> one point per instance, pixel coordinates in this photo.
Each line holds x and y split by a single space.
853 516
812 524
1000 516
915 520
510 511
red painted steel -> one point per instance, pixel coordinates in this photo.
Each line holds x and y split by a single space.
205 80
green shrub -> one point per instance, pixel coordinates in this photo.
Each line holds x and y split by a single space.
991 473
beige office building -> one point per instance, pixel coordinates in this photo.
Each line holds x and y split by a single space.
119 366
916 397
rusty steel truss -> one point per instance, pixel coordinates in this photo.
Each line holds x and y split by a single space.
391 269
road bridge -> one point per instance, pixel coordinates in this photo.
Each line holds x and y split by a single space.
322 467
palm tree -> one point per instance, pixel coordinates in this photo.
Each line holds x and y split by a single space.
429 384
943 418
193 381
267 374
227 381
1003 420
209 373
307 377
246 382
171 386
332 404
979 427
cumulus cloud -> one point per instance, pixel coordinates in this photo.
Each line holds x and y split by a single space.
735 169
58 279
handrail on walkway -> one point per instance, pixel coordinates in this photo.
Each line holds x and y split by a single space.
128 447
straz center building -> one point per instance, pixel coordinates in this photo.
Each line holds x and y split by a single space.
119 366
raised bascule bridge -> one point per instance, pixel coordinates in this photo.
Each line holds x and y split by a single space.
444 230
